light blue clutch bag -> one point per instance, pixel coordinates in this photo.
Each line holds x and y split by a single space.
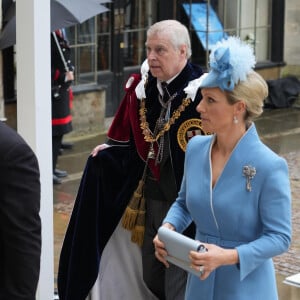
178 247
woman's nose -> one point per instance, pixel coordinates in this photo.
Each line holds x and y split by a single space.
199 107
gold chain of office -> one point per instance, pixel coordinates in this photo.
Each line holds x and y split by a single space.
144 125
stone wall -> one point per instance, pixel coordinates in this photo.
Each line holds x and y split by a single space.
88 112
270 73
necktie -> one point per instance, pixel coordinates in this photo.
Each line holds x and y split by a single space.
166 95
162 120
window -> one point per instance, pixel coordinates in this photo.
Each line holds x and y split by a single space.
249 19
136 24
103 32
111 41
90 43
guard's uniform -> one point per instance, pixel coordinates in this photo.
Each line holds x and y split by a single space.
61 95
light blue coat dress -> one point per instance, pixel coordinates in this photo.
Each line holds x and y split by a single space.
257 223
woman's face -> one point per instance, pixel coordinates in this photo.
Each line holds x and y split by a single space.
164 60
216 113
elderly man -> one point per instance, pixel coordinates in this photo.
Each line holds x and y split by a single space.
141 167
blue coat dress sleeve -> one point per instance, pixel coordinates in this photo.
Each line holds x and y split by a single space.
274 216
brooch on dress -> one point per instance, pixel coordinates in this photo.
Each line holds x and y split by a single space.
249 172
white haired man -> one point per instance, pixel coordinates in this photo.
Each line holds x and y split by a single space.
150 132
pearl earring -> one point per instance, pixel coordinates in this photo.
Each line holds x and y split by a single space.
235 120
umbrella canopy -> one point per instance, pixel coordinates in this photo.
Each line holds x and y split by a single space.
64 13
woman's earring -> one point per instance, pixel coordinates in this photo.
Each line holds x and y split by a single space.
235 120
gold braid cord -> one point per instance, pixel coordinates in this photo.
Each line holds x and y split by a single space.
132 209
134 216
145 125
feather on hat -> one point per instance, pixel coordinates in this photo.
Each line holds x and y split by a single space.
231 60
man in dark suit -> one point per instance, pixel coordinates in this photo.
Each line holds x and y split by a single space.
20 224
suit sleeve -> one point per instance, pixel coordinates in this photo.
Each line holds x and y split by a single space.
20 223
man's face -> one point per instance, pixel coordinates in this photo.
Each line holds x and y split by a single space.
164 60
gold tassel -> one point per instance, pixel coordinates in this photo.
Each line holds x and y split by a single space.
137 235
131 212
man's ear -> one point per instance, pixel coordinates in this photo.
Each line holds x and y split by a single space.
183 50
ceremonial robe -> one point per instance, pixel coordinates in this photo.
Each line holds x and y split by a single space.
110 178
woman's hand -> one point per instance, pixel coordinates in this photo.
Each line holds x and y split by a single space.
160 251
213 258
98 148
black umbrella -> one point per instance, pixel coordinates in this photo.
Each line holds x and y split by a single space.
64 13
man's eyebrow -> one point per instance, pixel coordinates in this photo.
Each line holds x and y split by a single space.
156 45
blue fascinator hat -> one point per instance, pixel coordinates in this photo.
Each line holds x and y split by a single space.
230 61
